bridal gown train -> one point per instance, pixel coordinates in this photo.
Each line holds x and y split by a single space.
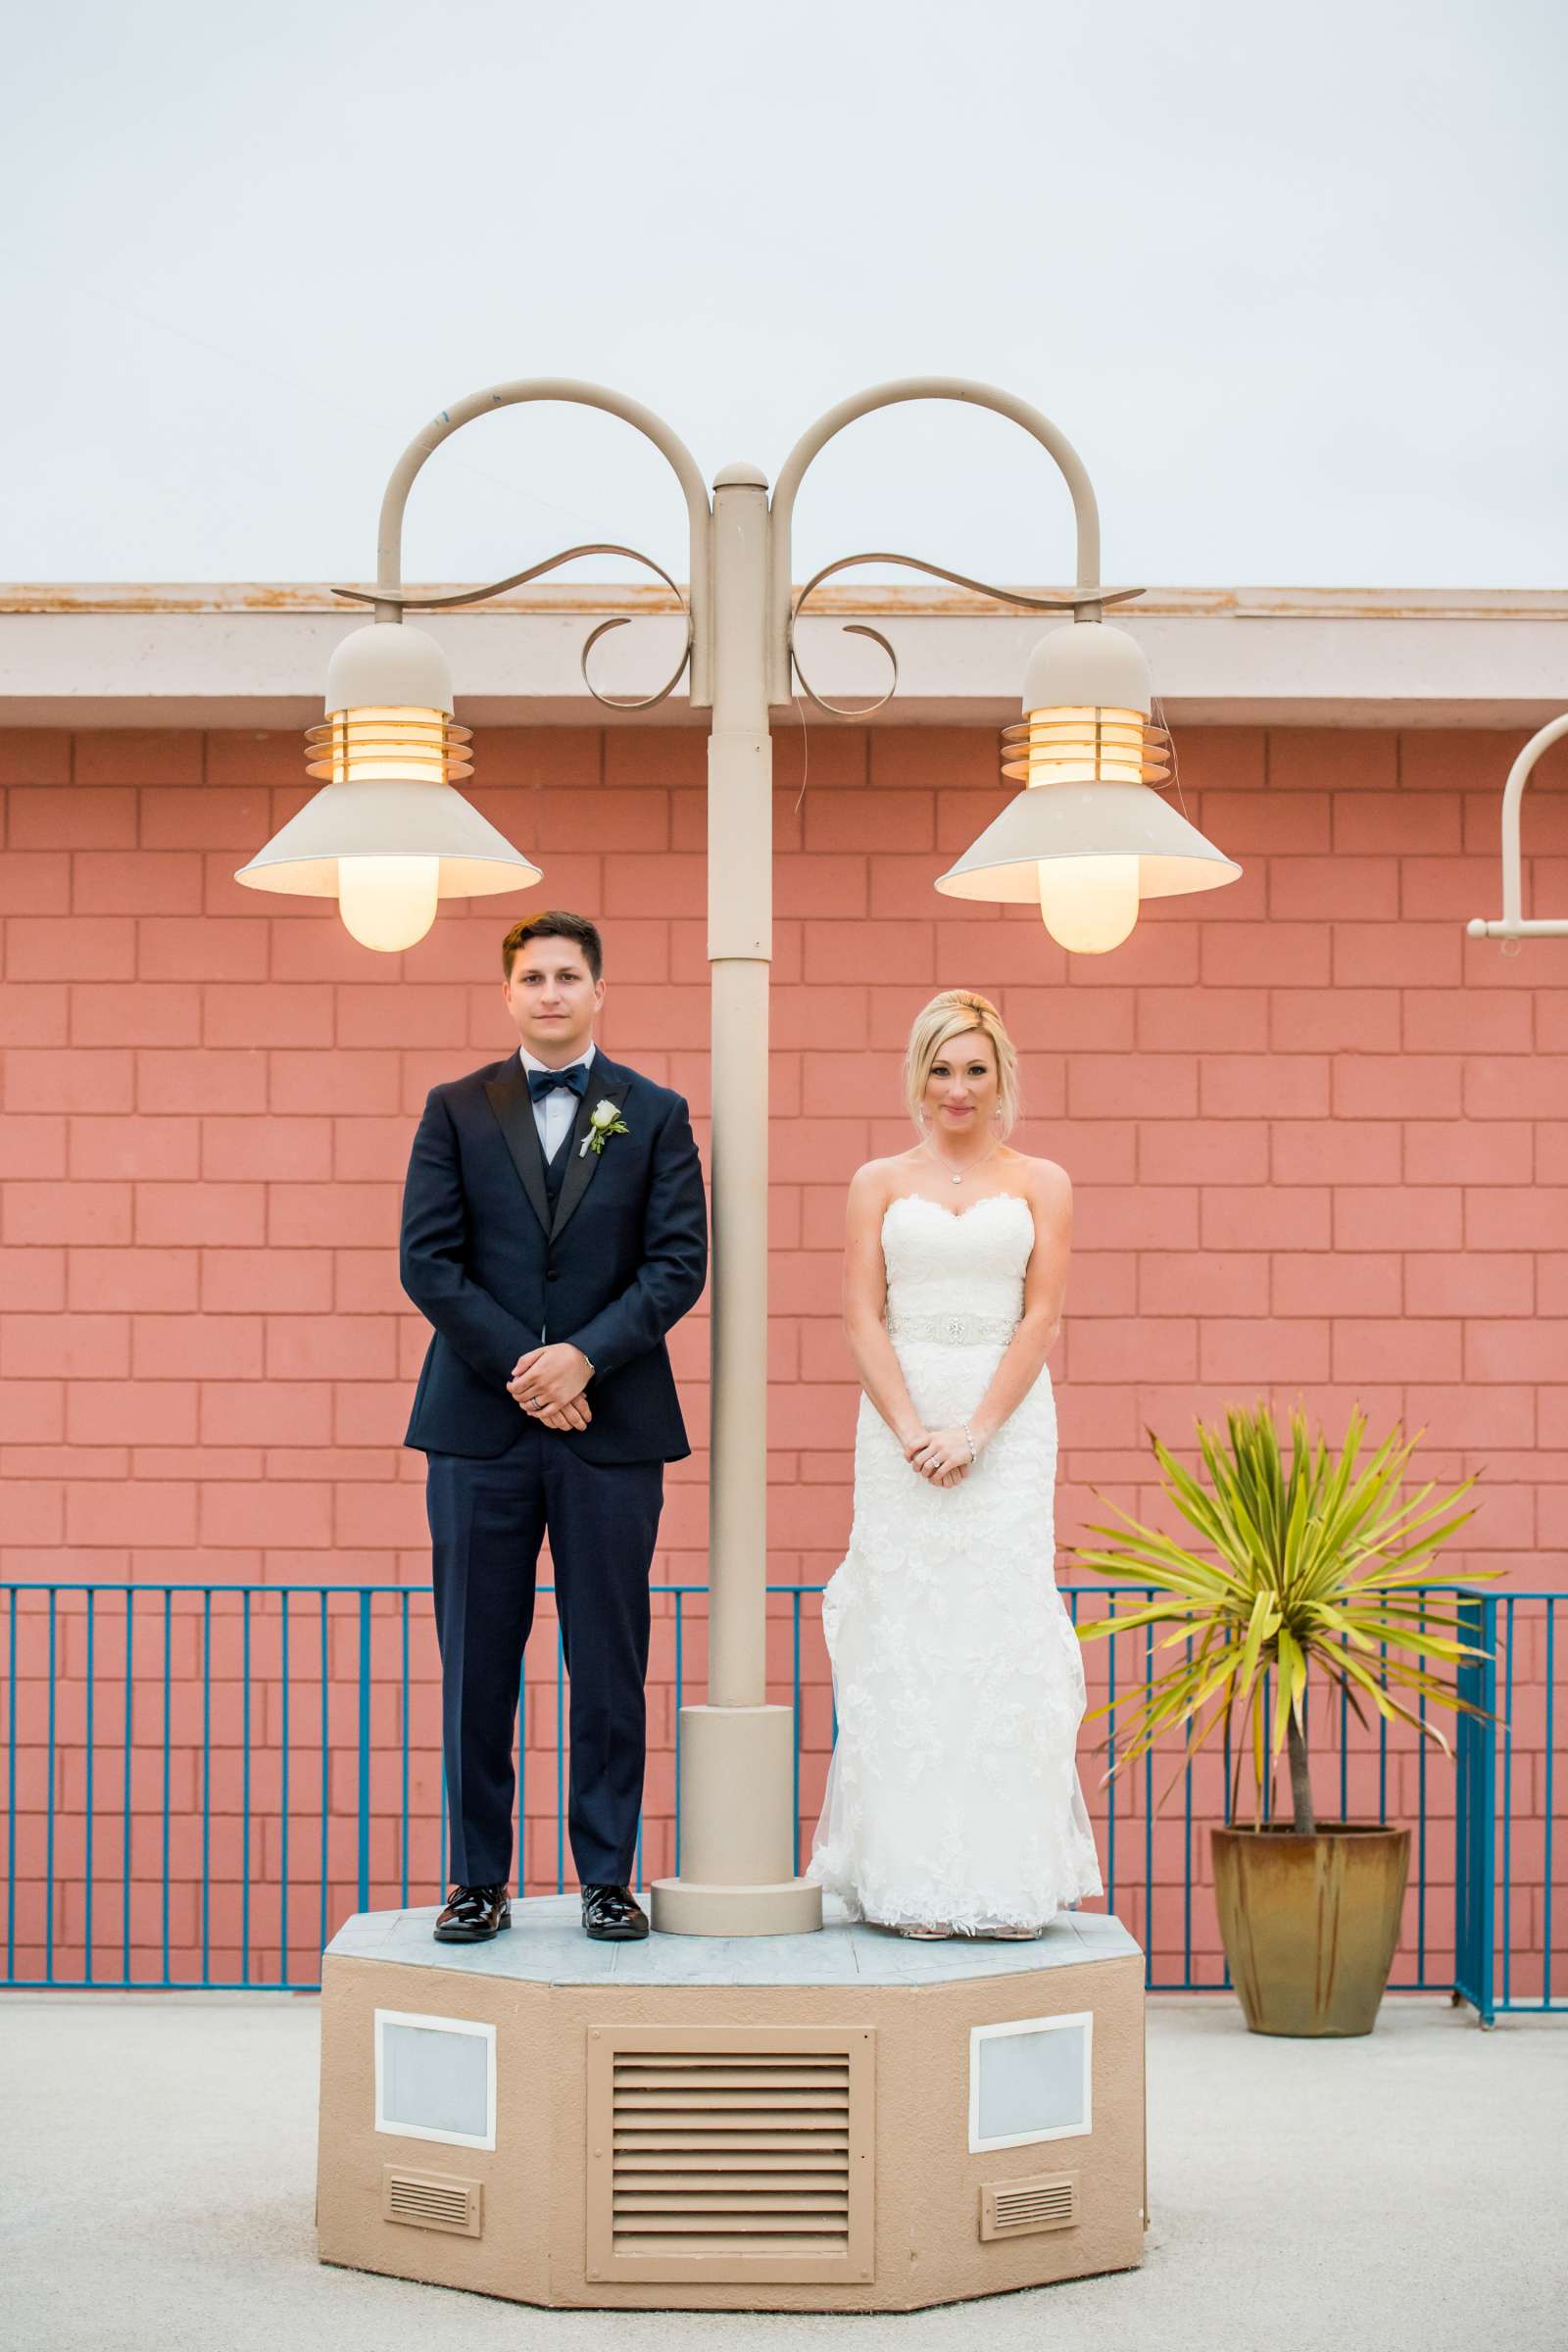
954 1792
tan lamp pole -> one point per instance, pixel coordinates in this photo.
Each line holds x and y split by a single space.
389 833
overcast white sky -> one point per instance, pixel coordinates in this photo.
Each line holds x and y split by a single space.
1292 279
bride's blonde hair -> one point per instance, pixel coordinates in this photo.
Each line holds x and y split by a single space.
948 1015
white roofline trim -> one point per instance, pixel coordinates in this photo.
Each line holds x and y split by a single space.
255 656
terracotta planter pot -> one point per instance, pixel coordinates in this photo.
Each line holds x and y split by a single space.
1310 1923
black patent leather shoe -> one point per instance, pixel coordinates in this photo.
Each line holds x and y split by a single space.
473 1914
612 1915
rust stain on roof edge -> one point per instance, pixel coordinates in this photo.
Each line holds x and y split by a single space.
162 598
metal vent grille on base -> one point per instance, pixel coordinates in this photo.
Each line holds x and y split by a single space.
1018 2208
433 2200
735 2152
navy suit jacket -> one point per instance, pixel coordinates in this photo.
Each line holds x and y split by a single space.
623 1257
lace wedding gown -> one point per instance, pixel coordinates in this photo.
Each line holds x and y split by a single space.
954 1792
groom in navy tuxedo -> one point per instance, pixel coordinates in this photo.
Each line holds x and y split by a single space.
555 1227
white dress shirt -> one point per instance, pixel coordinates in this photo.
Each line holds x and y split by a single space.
554 1114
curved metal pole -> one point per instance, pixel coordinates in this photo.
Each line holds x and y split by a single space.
389 535
886 396
1514 923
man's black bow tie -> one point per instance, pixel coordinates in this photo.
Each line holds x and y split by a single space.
540 1082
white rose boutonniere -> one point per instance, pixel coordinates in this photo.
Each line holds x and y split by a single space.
604 1121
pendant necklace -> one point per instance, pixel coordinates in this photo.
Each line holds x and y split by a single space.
963 1172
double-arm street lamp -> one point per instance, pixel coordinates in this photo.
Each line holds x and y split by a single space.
1085 840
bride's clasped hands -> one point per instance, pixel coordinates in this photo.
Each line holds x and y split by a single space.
942 1455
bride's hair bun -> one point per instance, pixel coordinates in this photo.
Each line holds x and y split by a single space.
953 1013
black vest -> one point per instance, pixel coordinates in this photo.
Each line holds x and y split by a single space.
555 1169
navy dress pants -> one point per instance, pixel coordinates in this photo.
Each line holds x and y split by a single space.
487 1520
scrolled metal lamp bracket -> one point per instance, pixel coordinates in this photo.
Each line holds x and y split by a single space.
1066 600
405 602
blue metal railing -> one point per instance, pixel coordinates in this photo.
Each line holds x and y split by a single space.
329 1817
1475 1814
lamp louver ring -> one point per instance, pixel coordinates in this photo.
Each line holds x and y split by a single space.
1086 744
425 746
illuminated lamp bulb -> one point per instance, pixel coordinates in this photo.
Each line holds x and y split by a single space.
388 902
1089 904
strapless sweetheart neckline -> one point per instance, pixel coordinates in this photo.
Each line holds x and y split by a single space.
955 1216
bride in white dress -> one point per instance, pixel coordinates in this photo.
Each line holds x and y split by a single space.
954 1803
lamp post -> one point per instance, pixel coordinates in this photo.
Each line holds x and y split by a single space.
1086 838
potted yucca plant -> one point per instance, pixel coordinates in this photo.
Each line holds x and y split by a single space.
1304 1571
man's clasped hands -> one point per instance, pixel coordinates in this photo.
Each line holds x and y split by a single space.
549 1383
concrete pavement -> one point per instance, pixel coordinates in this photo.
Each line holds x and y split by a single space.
1405 2190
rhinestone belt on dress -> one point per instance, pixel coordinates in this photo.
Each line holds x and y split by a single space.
959 1330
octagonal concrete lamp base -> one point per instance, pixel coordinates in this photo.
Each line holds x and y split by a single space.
840 2120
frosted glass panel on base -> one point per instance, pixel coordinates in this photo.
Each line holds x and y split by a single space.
435 2079
1030 2081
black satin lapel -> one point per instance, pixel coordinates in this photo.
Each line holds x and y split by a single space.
581 1165
512 1106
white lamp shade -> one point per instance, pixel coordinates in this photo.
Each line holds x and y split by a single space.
389 820
1087 820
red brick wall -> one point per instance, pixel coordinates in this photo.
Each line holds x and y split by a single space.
1319 1139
